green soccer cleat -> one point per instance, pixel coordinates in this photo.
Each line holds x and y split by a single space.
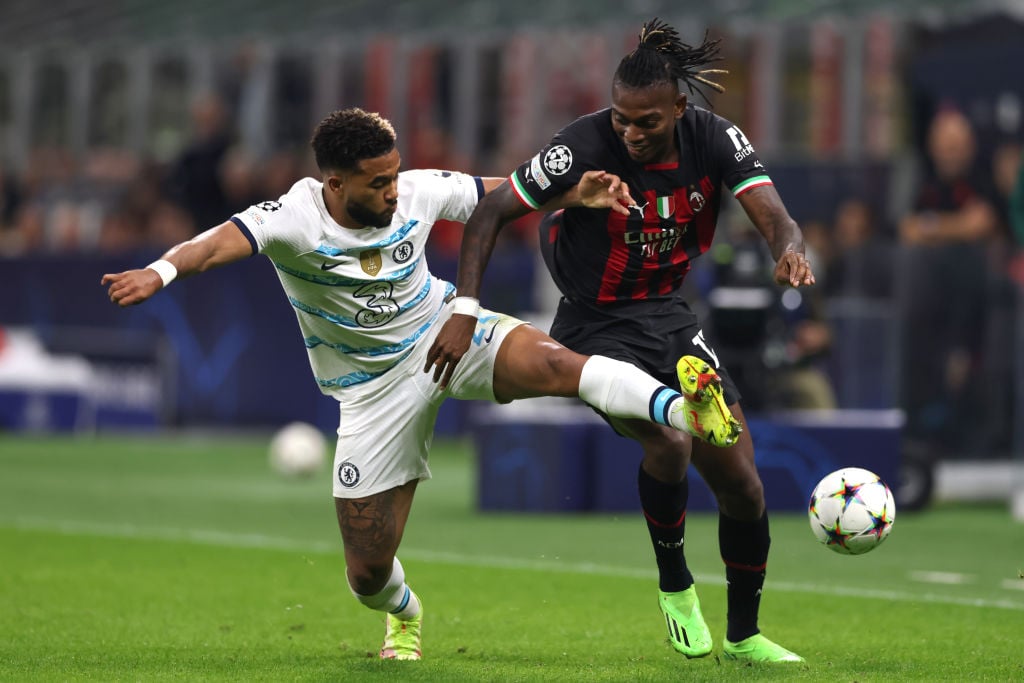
707 416
402 638
687 631
757 648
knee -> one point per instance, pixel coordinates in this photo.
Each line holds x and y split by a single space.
367 577
563 368
666 455
741 495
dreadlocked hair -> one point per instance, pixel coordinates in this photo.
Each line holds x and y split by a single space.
661 57
347 136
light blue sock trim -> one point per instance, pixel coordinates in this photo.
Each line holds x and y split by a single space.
404 603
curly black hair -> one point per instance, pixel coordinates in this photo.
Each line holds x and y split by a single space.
347 136
661 57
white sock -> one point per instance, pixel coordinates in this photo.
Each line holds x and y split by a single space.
623 390
395 597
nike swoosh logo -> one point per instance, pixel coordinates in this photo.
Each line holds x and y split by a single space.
490 335
328 266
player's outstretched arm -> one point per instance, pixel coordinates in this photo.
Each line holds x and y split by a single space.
766 210
494 210
595 190
215 247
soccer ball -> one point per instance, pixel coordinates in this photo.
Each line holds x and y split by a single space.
851 511
298 449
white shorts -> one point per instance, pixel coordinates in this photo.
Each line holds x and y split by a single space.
387 425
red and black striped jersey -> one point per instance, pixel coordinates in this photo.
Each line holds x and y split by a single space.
600 256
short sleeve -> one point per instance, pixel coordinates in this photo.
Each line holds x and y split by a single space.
451 195
556 168
740 166
276 226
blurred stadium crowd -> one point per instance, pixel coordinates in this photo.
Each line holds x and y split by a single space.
895 139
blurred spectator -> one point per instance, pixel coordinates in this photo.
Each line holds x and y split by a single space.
945 280
861 262
803 384
194 181
9 201
278 174
169 224
57 214
134 221
239 177
801 380
1010 177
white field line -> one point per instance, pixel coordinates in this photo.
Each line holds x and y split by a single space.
949 578
261 541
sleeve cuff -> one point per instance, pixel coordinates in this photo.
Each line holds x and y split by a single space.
245 231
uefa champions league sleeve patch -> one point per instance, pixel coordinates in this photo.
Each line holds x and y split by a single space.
558 160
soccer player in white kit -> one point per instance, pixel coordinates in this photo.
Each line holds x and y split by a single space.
350 253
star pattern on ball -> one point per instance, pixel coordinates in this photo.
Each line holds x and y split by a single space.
879 523
849 493
835 535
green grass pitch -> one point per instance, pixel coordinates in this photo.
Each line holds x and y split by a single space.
185 558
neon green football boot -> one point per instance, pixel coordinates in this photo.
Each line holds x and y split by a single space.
402 639
687 631
757 648
707 416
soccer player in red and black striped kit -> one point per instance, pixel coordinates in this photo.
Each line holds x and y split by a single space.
620 279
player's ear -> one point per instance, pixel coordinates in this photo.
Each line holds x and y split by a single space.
680 108
333 183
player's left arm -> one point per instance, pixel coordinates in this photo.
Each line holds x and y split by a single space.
742 171
595 190
765 209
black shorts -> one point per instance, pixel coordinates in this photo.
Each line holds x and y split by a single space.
654 344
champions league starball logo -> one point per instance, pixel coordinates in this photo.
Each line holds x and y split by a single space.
558 160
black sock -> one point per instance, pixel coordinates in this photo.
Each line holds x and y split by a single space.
664 507
744 548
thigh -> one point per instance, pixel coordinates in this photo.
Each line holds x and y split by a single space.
529 363
477 374
384 433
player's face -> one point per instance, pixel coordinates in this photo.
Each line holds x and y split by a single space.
645 120
370 193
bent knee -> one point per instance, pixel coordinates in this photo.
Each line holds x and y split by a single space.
532 364
666 451
741 497
368 578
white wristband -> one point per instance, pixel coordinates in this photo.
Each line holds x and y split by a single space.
466 305
165 269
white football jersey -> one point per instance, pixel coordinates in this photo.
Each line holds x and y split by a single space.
363 297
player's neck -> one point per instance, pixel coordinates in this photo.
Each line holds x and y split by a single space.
337 211
671 156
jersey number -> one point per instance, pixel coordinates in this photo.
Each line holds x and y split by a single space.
739 140
380 307
699 341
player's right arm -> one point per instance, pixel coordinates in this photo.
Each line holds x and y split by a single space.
216 247
590 189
